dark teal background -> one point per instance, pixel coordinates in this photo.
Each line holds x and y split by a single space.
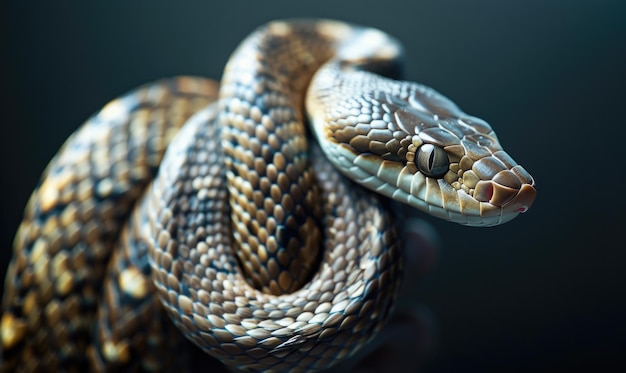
545 292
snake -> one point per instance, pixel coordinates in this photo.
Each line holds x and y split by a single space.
188 211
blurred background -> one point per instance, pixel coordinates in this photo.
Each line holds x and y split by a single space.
544 292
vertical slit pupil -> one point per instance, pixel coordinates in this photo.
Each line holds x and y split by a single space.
431 160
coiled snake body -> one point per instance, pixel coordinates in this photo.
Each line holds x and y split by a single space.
260 251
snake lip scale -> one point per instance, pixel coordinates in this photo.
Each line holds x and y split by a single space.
186 213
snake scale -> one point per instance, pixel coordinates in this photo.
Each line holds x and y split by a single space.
260 250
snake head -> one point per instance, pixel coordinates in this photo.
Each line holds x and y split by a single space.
410 143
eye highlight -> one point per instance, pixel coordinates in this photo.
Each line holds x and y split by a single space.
432 160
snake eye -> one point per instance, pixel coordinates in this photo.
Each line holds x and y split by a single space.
432 160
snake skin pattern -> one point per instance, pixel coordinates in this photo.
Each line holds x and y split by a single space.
261 252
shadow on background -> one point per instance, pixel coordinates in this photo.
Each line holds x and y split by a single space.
543 292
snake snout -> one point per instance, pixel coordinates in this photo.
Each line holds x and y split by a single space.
511 190
523 200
